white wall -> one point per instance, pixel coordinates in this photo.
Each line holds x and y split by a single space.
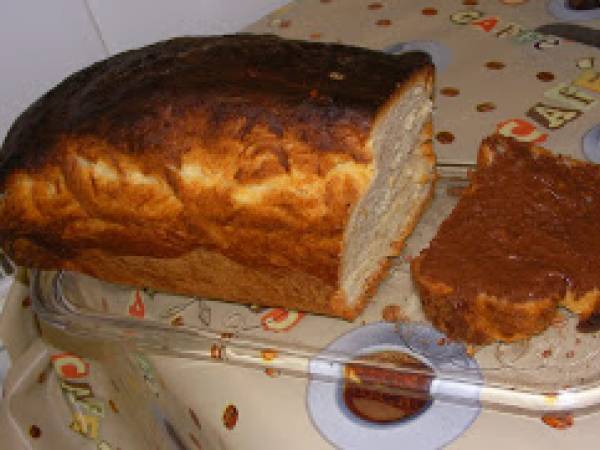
42 41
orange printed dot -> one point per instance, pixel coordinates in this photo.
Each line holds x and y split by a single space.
375 5
449 91
315 35
272 372
268 354
429 11
444 137
383 22
560 421
230 417
226 335
495 65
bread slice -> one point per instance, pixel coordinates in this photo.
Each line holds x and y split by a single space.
246 168
522 241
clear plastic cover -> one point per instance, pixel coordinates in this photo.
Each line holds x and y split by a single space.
558 370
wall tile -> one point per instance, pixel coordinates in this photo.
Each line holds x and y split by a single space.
40 43
132 23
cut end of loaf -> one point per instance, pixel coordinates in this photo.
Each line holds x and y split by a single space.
404 171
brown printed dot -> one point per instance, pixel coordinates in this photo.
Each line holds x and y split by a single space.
42 377
495 65
392 313
384 22
325 1
113 406
547 353
34 431
375 5
216 351
226 335
470 2
195 441
194 417
315 35
449 91
485 107
230 417
570 354
177 321
444 137
26 303
545 76
429 11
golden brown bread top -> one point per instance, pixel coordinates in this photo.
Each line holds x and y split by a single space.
252 146
526 229
139 100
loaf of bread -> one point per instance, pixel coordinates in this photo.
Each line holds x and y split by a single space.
522 241
245 168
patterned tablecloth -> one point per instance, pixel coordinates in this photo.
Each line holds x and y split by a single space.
499 69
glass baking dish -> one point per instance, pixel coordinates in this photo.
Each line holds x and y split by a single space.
556 371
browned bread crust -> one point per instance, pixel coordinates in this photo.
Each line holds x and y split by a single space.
522 240
226 167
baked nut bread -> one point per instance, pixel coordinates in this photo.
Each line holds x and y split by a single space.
246 168
522 241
